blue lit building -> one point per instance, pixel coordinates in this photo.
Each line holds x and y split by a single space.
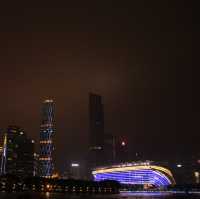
142 173
46 140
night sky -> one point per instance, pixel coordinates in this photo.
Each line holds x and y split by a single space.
136 54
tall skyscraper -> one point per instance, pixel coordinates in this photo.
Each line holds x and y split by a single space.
96 148
46 140
18 153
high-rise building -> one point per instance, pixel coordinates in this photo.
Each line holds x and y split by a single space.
110 148
18 153
46 140
116 149
1 142
96 143
36 164
2 166
75 172
1 138
3 153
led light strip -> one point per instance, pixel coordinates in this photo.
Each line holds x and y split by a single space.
142 174
131 168
136 177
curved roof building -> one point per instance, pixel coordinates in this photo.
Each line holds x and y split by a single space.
143 173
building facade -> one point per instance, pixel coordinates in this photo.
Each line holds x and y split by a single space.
18 153
96 134
46 166
2 153
75 172
136 173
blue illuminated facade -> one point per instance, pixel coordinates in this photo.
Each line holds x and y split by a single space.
134 174
46 140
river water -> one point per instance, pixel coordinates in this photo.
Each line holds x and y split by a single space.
117 196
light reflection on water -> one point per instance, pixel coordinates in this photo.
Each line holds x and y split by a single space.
65 196
145 195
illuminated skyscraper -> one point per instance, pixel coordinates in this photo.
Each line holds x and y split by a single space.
46 140
96 148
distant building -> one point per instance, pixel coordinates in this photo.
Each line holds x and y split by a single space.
116 149
96 135
185 172
1 142
3 153
18 153
36 164
65 175
46 140
1 150
122 152
110 148
75 172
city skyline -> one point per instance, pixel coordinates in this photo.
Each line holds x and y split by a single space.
137 55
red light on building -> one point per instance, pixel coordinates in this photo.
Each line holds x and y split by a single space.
123 143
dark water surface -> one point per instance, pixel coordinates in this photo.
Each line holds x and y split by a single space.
117 196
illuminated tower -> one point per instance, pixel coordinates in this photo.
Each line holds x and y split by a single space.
96 149
46 136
